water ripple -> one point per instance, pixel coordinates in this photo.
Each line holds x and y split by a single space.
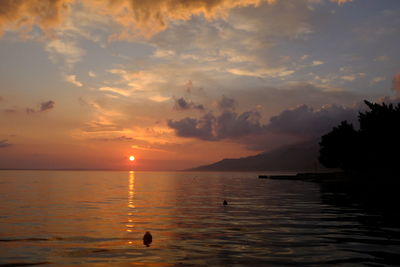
100 218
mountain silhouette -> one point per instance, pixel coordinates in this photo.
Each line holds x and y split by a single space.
295 157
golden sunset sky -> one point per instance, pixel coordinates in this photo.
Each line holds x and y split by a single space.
181 83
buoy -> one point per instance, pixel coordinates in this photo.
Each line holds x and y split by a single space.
147 239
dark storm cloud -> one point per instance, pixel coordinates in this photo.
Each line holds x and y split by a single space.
4 143
183 104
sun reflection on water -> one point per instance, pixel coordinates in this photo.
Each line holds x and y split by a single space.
131 196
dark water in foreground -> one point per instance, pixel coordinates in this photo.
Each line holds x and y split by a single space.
99 218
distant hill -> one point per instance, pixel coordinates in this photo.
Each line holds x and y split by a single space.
297 157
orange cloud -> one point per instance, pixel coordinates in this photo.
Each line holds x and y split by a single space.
24 14
150 17
137 17
341 1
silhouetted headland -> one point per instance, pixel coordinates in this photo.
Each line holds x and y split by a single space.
367 157
293 158
373 148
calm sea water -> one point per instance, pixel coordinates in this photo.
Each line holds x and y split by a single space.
99 218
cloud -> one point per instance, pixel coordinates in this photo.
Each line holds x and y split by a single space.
197 128
30 110
182 104
301 122
72 79
212 128
261 73
121 138
231 124
65 50
307 122
140 80
245 47
340 2
95 126
44 106
349 78
160 53
227 103
377 80
102 124
381 58
396 82
150 17
247 43
134 16
291 125
10 110
4 143
159 98
24 14
317 62
47 105
115 90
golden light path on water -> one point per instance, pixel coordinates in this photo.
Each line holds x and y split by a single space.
131 205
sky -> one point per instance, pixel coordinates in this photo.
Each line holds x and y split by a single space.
182 83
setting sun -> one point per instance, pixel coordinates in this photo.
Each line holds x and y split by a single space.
131 158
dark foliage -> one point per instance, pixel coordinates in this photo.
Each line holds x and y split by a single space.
337 147
375 146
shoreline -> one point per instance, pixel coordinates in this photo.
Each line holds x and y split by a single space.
339 177
374 190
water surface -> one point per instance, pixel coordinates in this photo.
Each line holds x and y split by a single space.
99 218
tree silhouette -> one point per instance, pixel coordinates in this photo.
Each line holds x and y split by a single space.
337 147
374 147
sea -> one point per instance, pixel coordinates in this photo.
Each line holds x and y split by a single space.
99 218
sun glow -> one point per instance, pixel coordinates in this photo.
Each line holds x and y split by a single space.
131 158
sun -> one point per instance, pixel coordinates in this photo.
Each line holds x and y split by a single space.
131 158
